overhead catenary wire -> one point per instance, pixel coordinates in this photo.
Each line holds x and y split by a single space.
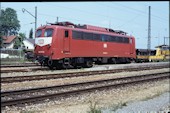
107 18
134 9
61 17
90 13
157 18
110 18
130 21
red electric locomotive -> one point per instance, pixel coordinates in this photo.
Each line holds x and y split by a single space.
65 44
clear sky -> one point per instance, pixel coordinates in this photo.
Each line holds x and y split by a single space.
131 17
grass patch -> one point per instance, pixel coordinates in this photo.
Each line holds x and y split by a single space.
120 105
93 108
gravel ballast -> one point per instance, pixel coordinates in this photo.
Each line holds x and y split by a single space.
52 82
152 105
95 68
106 100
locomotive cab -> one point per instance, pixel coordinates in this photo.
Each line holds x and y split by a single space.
43 42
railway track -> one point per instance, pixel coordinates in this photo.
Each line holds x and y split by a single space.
19 65
35 95
27 67
23 69
75 74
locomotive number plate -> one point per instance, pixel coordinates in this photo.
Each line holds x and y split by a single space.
40 51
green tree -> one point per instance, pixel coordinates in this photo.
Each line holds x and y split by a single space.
9 23
17 43
31 34
1 41
19 40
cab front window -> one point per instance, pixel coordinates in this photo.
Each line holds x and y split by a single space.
48 33
38 33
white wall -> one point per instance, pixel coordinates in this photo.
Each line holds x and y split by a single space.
3 55
28 44
10 46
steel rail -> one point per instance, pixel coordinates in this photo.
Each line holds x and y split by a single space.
18 65
23 69
16 92
140 78
26 65
73 74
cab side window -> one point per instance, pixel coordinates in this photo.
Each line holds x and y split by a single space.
66 34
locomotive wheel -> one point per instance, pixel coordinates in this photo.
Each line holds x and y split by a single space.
113 61
64 66
88 64
76 66
128 61
50 67
58 66
61 66
50 64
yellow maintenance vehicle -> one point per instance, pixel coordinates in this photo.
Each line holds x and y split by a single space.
143 56
162 54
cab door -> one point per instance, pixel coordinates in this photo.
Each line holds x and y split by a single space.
132 47
66 41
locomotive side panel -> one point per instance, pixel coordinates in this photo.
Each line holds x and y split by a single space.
98 48
69 46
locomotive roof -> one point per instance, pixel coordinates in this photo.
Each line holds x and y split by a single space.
88 27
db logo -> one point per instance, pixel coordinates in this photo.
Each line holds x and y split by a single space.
41 41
